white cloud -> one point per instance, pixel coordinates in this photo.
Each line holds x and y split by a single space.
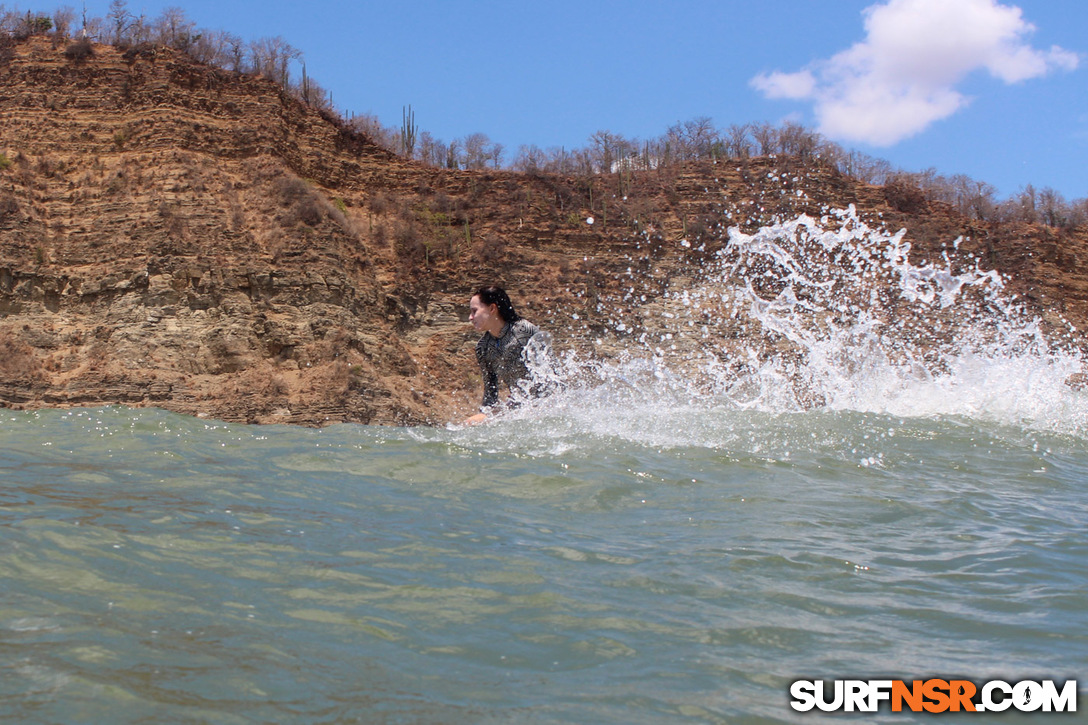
903 76
786 85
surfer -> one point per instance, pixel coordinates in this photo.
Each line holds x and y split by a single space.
510 350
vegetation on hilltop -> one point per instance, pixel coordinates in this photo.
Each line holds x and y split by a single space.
606 152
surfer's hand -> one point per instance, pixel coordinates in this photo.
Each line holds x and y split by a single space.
475 419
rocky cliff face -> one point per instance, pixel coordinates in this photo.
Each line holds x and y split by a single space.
178 236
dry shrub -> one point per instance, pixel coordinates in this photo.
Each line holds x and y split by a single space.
276 243
292 190
408 242
455 209
379 236
305 205
237 215
7 50
8 206
452 240
489 250
309 212
904 196
79 51
296 196
339 216
698 228
47 167
116 184
381 203
442 203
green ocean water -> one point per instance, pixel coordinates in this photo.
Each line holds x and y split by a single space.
555 566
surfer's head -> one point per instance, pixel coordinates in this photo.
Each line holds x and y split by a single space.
492 295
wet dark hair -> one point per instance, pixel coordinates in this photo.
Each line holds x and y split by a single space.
492 295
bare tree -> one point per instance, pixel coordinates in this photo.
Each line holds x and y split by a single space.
1078 213
235 53
1026 204
118 20
530 159
272 58
932 184
700 137
766 136
174 29
480 152
370 126
582 162
867 169
92 28
63 18
607 149
212 47
969 197
674 144
558 161
1052 208
455 155
431 151
312 93
495 154
981 200
738 141
877 171
796 140
140 31
8 22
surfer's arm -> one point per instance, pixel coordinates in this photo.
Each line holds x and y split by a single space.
491 388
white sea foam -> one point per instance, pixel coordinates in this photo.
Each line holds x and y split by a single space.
828 314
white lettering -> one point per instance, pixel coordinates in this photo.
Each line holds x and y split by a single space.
856 695
879 690
997 705
1066 701
821 701
804 695
1027 696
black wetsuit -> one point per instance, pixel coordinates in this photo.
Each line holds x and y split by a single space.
502 358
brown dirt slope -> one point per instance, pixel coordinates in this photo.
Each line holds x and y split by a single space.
178 236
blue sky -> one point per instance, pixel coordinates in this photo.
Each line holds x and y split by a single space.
996 90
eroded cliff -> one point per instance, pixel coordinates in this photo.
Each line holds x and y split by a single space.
179 236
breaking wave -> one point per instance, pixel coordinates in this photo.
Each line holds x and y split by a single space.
826 314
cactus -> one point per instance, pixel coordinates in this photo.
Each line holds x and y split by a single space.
408 130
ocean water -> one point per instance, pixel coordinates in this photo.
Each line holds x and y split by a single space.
159 568
667 539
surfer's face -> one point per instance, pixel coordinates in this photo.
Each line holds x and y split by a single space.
484 318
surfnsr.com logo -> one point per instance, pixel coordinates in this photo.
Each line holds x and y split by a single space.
933 695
